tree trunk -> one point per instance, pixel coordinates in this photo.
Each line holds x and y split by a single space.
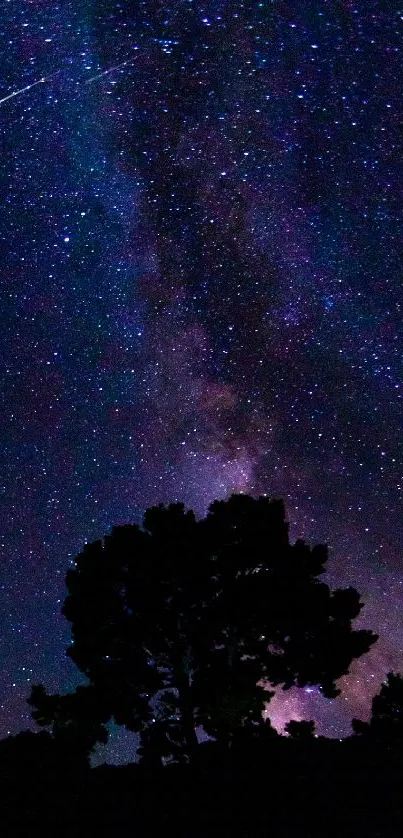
186 711
190 733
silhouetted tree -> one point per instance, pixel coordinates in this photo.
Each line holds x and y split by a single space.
191 617
386 723
301 730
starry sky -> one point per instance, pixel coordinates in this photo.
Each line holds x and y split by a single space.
200 234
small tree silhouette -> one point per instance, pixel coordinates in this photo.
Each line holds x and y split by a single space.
77 720
386 723
301 730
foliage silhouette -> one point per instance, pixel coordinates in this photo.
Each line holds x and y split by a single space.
386 723
183 621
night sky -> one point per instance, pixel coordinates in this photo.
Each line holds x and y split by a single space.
201 293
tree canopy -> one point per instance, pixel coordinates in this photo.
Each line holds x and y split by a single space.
180 622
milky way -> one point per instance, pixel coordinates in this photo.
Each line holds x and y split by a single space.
200 246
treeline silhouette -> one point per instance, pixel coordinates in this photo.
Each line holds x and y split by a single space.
180 625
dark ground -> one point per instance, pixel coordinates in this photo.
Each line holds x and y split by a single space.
321 788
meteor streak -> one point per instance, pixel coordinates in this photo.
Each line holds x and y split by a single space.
111 69
28 87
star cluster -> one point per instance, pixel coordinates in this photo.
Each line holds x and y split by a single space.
200 272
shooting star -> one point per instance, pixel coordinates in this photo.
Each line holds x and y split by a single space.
28 87
111 69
